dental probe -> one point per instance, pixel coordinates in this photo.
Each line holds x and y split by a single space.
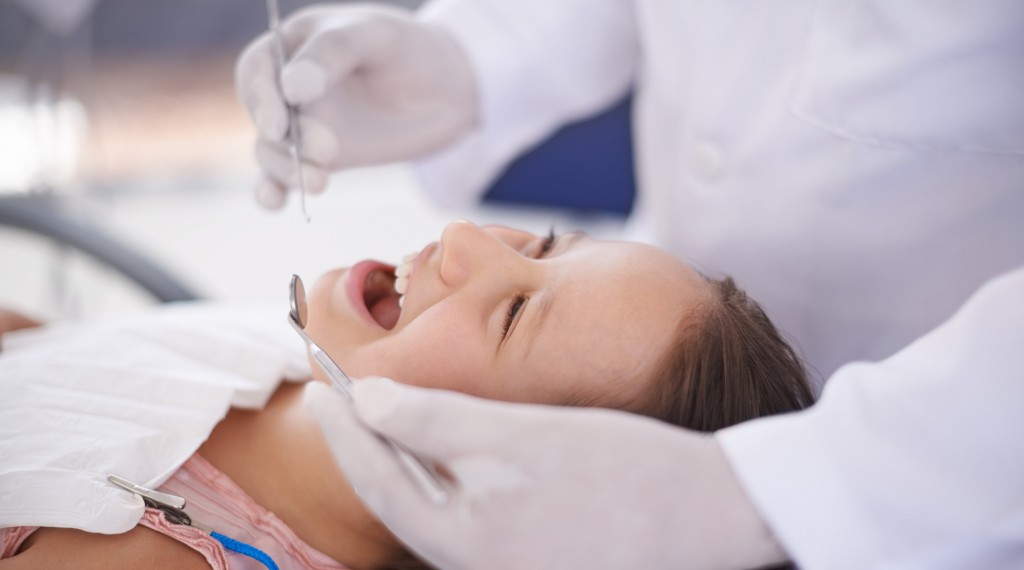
294 132
418 469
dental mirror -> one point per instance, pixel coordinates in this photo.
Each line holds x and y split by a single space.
298 301
421 471
297 317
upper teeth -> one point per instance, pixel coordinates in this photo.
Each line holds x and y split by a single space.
402 273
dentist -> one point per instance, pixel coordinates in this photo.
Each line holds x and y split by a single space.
857 164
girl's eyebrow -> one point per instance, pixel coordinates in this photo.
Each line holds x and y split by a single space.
567 239
540 306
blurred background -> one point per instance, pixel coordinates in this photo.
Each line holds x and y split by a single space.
119 117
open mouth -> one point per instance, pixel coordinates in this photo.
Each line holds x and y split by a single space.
380 297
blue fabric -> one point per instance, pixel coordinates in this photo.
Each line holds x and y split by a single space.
246 549
585 166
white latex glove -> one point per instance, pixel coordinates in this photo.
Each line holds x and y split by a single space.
371 84
543 487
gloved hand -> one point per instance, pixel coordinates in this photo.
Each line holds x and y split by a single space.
371 84
543 487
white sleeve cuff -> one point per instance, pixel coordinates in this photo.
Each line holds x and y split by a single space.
912 462
784 465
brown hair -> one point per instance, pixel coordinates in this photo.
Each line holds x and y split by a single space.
729 364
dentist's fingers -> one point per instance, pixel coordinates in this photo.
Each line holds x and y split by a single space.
256 82
303 81
439 424
319 143
325 59
270 194
369 465
279 167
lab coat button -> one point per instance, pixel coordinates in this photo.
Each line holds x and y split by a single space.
707 161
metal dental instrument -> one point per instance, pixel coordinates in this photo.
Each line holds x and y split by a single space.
172 506
294 132
148 495
418 469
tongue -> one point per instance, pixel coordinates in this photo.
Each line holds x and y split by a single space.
381 299
386 311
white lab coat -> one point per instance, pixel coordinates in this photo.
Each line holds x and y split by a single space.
856 165
916 462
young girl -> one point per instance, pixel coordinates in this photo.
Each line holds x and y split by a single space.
492 312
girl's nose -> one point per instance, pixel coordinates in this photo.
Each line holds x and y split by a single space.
467 249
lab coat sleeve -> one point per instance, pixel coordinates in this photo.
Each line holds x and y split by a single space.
913 462
538 65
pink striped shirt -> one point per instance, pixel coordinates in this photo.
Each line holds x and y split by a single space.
215 501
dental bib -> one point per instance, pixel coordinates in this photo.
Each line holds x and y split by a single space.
134 396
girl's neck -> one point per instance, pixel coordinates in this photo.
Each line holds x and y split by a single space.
279 457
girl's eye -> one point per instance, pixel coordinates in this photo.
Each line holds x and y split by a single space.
520 299
547 244
513 310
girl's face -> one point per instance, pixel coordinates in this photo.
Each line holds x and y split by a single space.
508 315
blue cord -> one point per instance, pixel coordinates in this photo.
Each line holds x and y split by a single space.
246 549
